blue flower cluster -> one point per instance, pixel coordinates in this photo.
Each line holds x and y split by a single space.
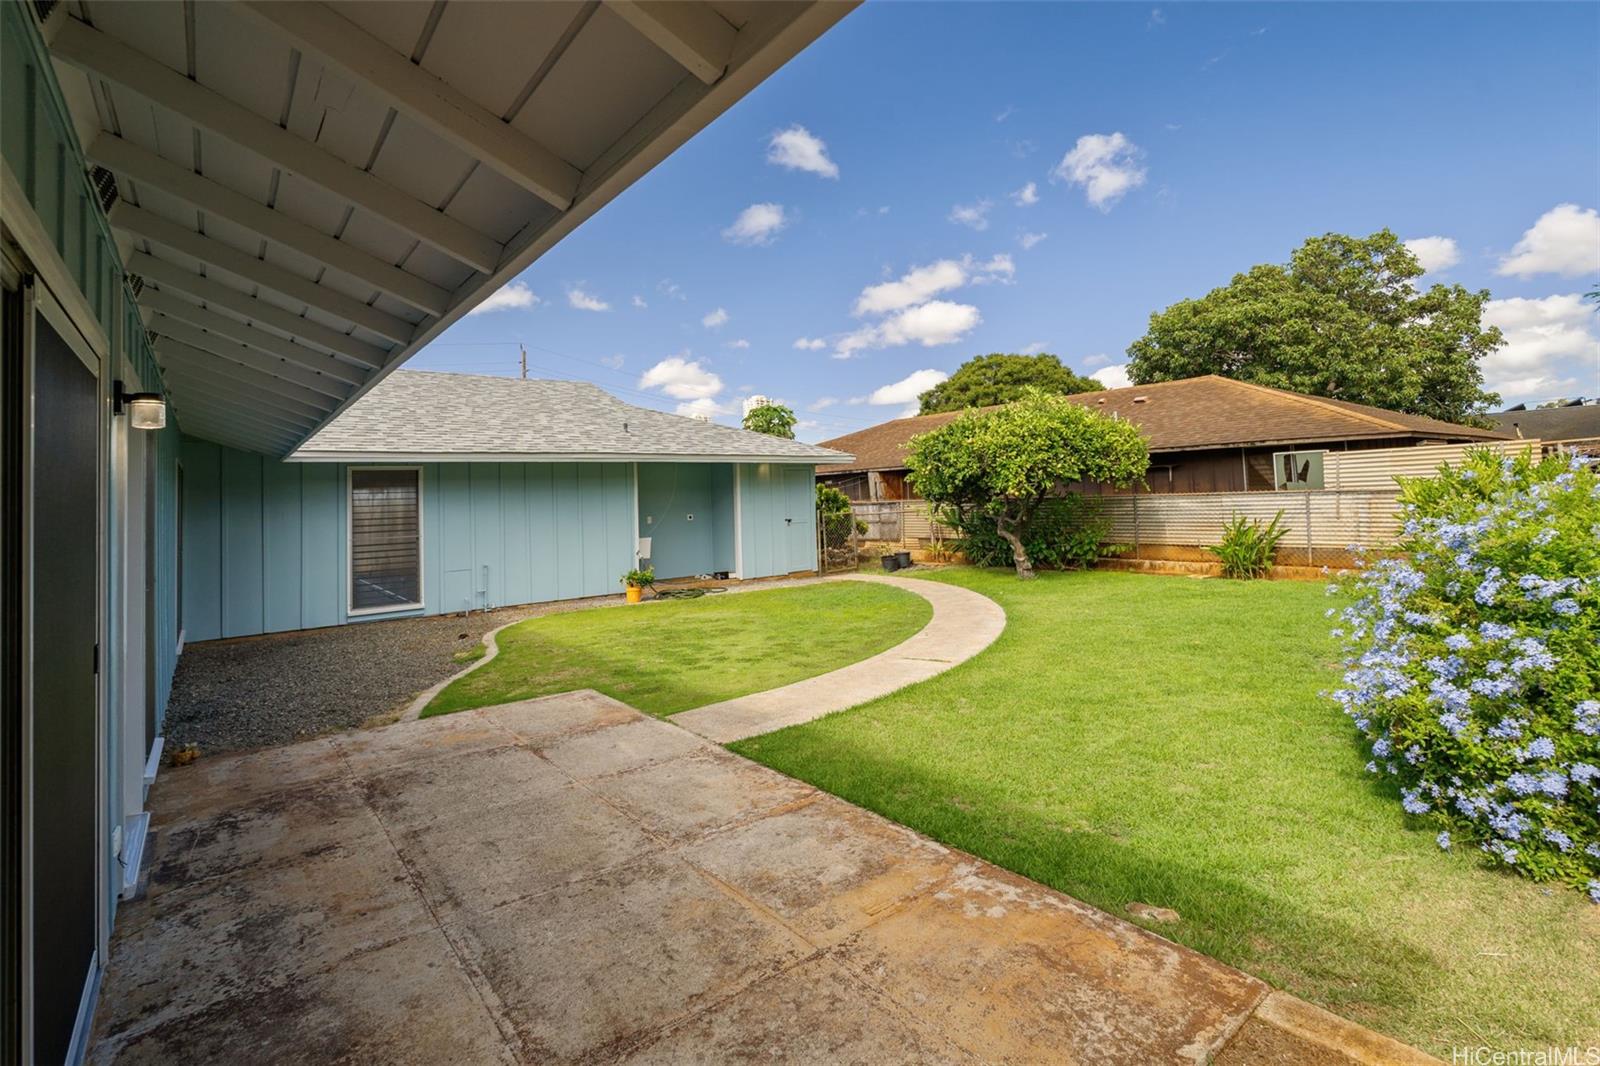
1473 661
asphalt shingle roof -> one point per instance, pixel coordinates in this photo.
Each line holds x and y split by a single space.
416 414
1188 415
1553 423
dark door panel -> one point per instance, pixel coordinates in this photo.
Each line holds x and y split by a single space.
64 602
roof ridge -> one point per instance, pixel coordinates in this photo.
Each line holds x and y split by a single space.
1319 402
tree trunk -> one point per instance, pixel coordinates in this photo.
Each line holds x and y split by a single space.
1019 554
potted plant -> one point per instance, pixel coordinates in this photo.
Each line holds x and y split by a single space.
637 581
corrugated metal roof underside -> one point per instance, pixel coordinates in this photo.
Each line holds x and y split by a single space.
427 415
310 192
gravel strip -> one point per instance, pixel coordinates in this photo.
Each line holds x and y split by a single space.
231 695
257 692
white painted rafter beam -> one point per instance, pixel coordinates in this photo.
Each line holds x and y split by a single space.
178 308
171 276
247 359
689 31
205 429
319 30
270 404
217 432
153 227
103 55
240 412
126 158
229 378
240 405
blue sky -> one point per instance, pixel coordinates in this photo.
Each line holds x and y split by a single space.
861 223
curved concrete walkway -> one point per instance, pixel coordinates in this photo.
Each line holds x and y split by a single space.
963 624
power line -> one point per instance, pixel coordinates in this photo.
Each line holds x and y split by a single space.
844 422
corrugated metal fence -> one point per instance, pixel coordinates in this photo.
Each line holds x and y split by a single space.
1358 505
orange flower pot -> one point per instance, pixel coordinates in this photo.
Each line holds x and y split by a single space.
634 592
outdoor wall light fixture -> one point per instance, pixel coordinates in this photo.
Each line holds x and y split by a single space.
145 410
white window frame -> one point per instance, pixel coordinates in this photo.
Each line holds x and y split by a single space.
350 609
1322 459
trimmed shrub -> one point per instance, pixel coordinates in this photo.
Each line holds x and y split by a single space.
1473 663
838 521
1248 548
1067 532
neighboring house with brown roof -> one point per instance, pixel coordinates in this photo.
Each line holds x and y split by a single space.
1206 434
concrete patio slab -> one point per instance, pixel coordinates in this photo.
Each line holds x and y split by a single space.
567 880
409 1001
963 624
469 863
816 1012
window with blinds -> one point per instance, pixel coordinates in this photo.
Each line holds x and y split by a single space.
385 539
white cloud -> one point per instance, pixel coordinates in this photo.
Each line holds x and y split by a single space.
670 289
822 403
1157 18
974 215
999 267
585 301
1028 240
797 148
810 344
1551 345
918 284
907 389
613 361
1006 112
638 301
715 319
703 405
757 224
1100 359
1565 240
1034 347
933 323
1105 164
740 343
1026 196
1434 253
1113 377
682 379
508 297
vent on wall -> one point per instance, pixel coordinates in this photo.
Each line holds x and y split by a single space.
105 187
136 283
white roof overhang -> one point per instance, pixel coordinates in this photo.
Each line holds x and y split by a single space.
310 192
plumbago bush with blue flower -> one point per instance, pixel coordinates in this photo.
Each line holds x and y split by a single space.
1473 662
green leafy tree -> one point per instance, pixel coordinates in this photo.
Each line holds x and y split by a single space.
1003 464
837 519
1342 319
773 419
986 380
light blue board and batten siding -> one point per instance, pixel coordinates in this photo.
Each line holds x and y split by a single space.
777 527
265 542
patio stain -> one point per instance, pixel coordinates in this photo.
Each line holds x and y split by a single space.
566 880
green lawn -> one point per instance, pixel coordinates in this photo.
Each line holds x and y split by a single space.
1161 739
668 657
